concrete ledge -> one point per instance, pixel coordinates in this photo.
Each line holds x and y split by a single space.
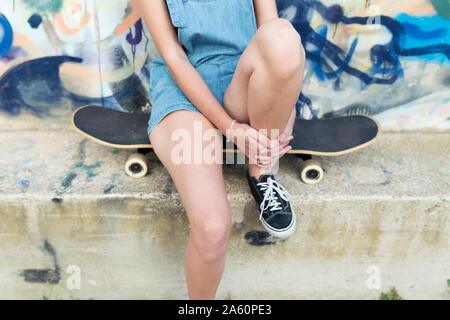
65 201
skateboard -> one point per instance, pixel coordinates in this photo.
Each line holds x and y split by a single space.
324 137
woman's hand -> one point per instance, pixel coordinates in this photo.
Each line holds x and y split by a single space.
258 148
286 134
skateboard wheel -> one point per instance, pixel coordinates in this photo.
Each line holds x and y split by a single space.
136 165
311 172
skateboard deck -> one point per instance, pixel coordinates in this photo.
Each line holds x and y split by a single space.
327 137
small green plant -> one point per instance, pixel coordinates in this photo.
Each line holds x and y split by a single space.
391 295
44 297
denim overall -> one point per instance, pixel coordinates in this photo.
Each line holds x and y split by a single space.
213 33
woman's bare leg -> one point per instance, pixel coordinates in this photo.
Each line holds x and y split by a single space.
268 80
202 191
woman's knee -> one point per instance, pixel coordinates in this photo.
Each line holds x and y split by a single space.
281 47
210 237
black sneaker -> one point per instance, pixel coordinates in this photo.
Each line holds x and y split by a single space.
277 215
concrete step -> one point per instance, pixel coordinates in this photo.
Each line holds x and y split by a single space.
379 219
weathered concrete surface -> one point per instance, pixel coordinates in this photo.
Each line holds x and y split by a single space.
65 201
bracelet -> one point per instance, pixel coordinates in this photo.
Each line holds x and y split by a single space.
229 130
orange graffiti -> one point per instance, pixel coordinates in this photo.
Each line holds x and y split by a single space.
22 41
64 28
132 18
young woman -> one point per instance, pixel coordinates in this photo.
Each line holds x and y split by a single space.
231 66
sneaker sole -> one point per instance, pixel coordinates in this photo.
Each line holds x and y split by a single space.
282 233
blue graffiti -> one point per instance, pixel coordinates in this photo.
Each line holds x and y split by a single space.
6 36
35 85
329 61
35 21
425 38
137 38
385 56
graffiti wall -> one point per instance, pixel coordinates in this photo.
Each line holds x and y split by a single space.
385 58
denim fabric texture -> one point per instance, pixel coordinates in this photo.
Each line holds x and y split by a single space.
213 33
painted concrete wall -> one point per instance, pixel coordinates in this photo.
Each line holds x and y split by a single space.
378 220
385 58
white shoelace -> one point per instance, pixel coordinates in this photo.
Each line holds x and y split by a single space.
270 199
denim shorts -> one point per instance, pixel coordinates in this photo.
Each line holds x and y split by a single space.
213 33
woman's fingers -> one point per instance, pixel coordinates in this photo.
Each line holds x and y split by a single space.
271 160
284 151
260 149
278 149
270 153
286 134
285 138
263 142
269 163
286 142
280 153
